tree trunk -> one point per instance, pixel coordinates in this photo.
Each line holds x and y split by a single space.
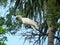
50 36
51 20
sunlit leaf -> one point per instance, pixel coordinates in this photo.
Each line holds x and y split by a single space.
2 31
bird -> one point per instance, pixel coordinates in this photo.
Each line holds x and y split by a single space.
27 21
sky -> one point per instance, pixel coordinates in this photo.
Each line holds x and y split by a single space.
16 39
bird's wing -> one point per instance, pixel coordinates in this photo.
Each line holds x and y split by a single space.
25 20
29 21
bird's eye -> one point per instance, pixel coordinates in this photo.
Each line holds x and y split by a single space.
16 18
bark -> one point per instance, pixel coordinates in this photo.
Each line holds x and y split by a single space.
50 36
50 21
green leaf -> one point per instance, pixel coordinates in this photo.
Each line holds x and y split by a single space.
2 43
2 31
2 21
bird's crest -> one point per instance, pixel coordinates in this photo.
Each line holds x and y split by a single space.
19 16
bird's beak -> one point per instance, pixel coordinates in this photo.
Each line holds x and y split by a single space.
16 17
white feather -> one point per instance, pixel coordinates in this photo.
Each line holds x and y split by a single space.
28 21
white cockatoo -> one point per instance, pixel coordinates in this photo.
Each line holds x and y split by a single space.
27 21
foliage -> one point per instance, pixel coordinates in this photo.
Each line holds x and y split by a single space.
2 37
3 2
2 21
2 31
2 43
